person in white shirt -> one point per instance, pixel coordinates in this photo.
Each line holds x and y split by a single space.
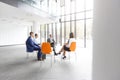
36 40
66 46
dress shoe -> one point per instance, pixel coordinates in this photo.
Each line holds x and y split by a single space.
58 53
64 57
40 59
55 54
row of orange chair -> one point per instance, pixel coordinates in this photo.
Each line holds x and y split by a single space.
46 49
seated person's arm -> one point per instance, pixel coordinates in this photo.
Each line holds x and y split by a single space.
35 44
67 42
48 40
32 43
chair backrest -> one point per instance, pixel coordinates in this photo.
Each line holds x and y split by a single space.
73 46
46 48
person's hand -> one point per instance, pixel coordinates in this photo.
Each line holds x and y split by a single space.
65 44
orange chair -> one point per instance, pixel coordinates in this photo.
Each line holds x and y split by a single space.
46 49
72 49
73 46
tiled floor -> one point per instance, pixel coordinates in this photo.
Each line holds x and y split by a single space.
15 66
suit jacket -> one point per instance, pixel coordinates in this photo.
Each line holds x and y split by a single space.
31 45
51 43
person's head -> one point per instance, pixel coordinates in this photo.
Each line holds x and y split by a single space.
50 35
31 34
71 35
36 35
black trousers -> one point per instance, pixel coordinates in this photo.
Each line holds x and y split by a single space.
53 46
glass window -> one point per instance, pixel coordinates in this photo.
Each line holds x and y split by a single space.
53 27
73 17
79 16
89 32
47 31
67 17
80 33
58 9
73 6
89 29
73 26
50 29
62 3
58 33
63 33
67 30
52 7
67 6
44 5
42 33
89 14
79 5
89 4
62 11
62 18
74 11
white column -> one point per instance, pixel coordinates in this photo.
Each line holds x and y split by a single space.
35 27
106 40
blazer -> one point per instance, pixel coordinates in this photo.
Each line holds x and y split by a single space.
31 45
51 43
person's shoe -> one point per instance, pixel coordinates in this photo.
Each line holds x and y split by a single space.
55 54
43 59
39 59
64 57
58 53
53 49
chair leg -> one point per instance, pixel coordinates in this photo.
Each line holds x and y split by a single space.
51 60
61 58
69 56
75 56
54 59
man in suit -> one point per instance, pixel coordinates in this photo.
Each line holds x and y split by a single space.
32 46
52 43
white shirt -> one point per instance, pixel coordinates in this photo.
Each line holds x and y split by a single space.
51 40
36 40
70 41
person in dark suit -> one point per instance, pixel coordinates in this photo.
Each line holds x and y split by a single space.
32 46
52 43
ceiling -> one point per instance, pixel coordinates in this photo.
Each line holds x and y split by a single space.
13 15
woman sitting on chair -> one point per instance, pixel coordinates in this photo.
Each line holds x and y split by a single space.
66 46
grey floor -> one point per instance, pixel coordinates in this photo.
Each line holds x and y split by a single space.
15 66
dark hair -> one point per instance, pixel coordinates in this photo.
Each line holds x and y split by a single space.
31 33
36 34
50 35
71 35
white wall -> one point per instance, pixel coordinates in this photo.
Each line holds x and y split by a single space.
106 40
11 34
